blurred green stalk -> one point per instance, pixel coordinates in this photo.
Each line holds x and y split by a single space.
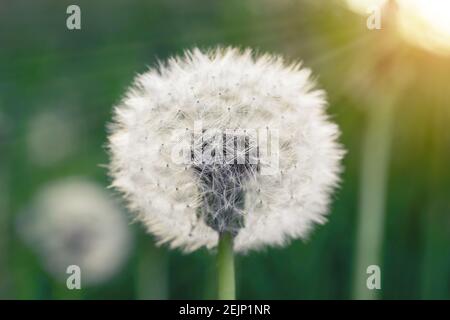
225 262
152 278
4 238
373 183
435 263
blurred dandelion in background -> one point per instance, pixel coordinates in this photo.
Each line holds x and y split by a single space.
74 222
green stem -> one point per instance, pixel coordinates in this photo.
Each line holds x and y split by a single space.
152 277
4 237
374 172
225 264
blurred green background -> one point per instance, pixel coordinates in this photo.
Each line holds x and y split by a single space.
47 69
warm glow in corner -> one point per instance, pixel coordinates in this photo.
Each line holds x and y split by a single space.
426 23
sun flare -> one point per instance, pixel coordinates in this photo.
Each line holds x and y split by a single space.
424 23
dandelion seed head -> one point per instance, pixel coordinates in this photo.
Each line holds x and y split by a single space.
238 94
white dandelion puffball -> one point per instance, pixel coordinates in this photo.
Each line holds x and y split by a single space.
225 141
74 222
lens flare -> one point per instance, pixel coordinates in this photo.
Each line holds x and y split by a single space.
364 6
426 23
423 23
